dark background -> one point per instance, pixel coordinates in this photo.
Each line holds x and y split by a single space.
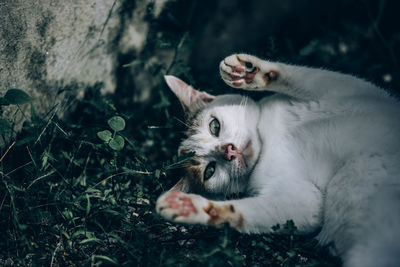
359 37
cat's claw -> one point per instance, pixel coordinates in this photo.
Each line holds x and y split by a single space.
247 72
181 207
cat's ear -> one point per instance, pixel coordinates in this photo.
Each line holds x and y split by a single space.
181 185
189 97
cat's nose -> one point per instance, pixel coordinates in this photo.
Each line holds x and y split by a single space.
230 151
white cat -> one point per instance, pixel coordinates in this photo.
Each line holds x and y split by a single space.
324 152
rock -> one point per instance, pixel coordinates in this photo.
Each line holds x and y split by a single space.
54 50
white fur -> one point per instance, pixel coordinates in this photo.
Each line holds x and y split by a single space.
230 177
327 155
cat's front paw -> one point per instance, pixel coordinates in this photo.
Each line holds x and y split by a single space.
247 72
184 208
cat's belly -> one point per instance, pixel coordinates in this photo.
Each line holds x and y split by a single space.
312 140
340 129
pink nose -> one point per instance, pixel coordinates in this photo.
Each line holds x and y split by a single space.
230 151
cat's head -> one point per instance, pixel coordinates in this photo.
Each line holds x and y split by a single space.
224 137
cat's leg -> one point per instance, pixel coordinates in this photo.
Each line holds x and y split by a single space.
249 215
251 73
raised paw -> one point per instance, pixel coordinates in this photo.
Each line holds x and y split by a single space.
181 207
247 72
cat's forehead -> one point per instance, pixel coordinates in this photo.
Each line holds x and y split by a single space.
219 104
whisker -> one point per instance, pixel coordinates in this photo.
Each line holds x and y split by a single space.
182 122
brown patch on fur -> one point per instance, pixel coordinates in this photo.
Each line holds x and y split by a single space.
183 151
224 214
240 61
232 208
193 176
193 122
195 162
240 223
270 76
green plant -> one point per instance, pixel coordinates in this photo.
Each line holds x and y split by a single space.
114 140
12 97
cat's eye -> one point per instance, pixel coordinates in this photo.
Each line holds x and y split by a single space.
209 172
214 127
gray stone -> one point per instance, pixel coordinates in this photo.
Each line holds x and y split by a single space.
55 49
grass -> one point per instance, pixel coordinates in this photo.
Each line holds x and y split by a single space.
69 199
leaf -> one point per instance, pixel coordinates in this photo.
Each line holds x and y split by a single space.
82 232
110 211
5 126
17 96
87 205
92 239
133 63
93 190
107 259
117 123
104 135
117 143
3 102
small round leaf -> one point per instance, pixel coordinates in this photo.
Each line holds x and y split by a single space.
16 97
5 126
117 123
117 143
3 102
104 135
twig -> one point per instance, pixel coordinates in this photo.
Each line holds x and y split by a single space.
8 149
26 164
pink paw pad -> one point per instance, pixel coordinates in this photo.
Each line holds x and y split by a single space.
238 68
241 74
177 200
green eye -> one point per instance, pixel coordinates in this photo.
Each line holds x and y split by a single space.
214 127
209 172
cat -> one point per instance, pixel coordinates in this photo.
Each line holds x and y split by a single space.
324 151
